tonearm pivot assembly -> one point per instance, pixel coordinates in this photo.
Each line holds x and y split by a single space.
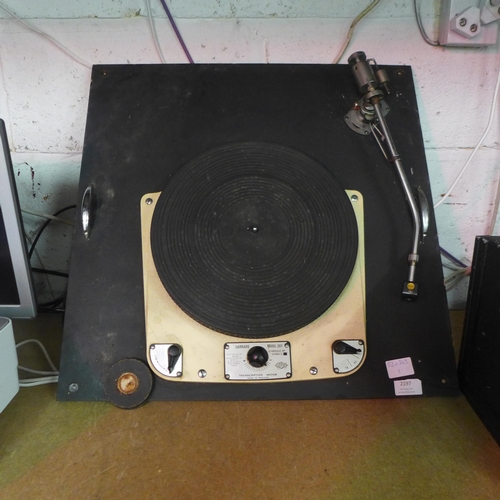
367 116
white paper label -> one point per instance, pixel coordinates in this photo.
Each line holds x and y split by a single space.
399 367
408 387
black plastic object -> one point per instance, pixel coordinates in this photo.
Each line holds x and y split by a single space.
479 369
147 122
410 290
257 356
341 347
254 239
173 353
129 383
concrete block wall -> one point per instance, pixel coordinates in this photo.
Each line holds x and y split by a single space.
44 93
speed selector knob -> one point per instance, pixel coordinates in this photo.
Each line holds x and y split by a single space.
173 353
257 356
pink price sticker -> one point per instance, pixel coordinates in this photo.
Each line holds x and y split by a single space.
399 367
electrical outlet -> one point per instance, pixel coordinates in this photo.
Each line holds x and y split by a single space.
460 25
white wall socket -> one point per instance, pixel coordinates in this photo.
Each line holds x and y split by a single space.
460 24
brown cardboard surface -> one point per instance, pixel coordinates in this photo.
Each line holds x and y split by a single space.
398 448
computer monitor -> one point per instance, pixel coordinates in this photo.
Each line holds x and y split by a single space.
17 298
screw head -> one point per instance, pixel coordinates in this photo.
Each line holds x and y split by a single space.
462 21
73 387
473 28
354 197
202 373
313 370
288 375
149 201
227 376
226 346
336 370
179 374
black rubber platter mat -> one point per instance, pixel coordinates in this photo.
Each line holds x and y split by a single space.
254 239
147 122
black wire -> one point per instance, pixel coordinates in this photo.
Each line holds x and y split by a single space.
49 306
177 32
49 271
55 302
42 229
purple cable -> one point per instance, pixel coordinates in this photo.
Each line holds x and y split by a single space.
177 32
452 258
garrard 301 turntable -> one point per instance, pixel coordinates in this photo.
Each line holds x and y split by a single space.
253 269
251 232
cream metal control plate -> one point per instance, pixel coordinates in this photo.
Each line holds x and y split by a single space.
203 349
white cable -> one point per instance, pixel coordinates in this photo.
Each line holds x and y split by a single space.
494 212
153 32
35 372
455 277
24 342
49 38
416 5
479 144
33 382
48 216
351 30
451 266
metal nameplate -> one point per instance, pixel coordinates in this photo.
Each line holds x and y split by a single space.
277 366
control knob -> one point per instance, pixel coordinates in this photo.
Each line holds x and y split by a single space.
257 356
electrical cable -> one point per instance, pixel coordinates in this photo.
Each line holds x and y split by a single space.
459 270
42 347
154 33
28 239
451 266
49 38
351 29
55 302
479 144
47 216
33 382
50 271
177 32
416 5
42 229
494 212
36 372
455 277
452 258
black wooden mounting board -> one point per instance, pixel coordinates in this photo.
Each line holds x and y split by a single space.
146 121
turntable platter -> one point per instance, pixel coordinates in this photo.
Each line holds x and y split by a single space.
254 239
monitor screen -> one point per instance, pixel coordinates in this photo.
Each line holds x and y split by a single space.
17 298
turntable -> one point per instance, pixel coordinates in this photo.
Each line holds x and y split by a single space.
239 241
